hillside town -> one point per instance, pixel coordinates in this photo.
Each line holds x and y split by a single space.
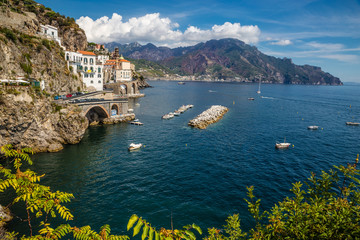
97 68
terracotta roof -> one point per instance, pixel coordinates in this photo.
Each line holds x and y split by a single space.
87 53
123 60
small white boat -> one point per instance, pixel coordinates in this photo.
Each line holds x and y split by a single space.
176 113
181 83
134 146
353 123
313 127
136 123
251 98
282 145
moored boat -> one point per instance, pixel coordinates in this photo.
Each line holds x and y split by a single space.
313 127
353 123
134 146
251 98
282 145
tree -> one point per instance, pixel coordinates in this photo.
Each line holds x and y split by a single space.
327 208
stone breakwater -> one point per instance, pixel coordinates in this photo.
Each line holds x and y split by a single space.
212 115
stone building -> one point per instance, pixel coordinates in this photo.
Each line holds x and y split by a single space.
118 76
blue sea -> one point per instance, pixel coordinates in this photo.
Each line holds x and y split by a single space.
200 176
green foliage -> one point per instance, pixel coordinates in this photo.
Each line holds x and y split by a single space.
328 208
39 200
164 234
26 67
104 234
46 43
9 34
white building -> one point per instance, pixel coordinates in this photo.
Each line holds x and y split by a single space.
119 70
50 31
102 58
85 63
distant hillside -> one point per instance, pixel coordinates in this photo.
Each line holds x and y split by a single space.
231 60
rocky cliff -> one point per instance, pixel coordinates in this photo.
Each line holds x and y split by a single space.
23 52
30 120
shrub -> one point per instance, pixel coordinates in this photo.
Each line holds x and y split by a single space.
46 43
9 34
26 68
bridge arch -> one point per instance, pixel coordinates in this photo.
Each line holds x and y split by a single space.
123 89
96 113
133 88
116 108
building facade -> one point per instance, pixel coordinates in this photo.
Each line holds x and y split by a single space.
50 31
90 69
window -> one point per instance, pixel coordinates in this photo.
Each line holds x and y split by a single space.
99 81
85 60
67 57
91 81
99 69
91 61
99 75
85 75
86 68
91 68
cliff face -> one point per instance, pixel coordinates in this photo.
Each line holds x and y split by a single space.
30 121
25 53
28 118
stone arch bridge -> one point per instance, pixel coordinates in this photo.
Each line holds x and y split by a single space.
100 105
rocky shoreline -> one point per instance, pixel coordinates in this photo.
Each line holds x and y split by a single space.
212 115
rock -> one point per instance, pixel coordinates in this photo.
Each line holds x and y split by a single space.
212 115
5 215
38 125
55 147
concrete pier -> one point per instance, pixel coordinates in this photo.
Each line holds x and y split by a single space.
212 115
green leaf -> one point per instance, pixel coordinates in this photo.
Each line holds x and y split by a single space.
191 234
157 236
132 220
145 231
151 233
194 226
137 227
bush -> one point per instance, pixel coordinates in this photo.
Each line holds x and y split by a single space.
26 68
46 43
9 34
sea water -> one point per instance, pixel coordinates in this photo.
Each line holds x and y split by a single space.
187 175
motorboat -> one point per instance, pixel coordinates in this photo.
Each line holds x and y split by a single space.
134 146
251 98
283 145
353 123
181 83
313 127
259 91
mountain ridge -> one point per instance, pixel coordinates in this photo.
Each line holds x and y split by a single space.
230 60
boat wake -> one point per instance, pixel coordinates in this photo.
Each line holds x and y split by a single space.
267 97
212 91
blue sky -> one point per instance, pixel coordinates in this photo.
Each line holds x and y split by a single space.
324 33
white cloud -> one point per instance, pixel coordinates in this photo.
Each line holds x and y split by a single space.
160 31
326 46
341 57
282 42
